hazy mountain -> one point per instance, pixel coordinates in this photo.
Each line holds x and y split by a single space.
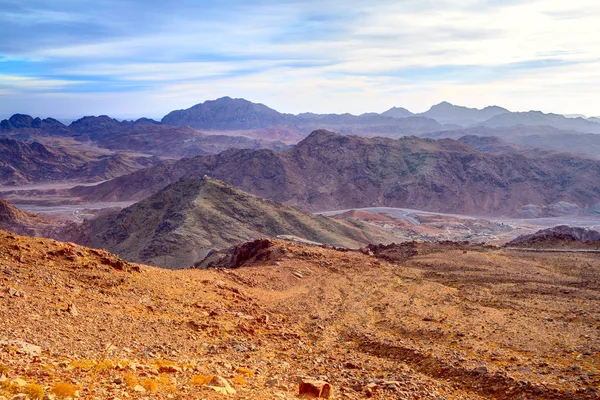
179 225
446 113
489 144
328 171
397 112
240 114
226 113
22 163
143 135
539 118
542 137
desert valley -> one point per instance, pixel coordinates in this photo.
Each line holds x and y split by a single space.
230 250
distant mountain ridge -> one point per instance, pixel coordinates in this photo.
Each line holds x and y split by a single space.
329 171
239 114
143 135
446 113
180 224
538 118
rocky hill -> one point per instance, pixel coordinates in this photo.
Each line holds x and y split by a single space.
23 163
22 222
329 171
562 236
180 224
449 321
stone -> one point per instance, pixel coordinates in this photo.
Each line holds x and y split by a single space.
240 347
481 370
71 309
169 369
19 382
315 388
23 347
221 385
139 389
16 293
273 382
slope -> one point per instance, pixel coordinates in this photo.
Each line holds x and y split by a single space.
180 224
23 222
516 326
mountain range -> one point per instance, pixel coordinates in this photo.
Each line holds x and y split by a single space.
330 171
239 123
180 224
141 136
239 114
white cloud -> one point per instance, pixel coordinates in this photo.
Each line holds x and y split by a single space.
542 54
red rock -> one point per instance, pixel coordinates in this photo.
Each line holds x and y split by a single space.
316 388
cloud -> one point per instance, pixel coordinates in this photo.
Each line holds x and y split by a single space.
300 55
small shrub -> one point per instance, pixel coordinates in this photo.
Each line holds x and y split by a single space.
240 380
150 385
130 380
84 365
3 370
64 390
35 392
166 383
245 371
199 380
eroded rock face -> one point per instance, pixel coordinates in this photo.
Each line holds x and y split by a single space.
236 256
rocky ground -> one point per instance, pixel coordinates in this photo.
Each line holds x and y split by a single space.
436 322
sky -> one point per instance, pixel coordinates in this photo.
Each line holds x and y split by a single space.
127 59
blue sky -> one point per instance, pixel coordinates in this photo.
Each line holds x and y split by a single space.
68 58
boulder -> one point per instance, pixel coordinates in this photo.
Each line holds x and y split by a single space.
315 388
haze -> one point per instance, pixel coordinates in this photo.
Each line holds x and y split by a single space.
128 59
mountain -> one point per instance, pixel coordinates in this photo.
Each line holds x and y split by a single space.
446 113
329 171
181 223
562 236
539 118
22 222
528 137
23 163
141 136
149 136
226 114
30 125
489 144
397 112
